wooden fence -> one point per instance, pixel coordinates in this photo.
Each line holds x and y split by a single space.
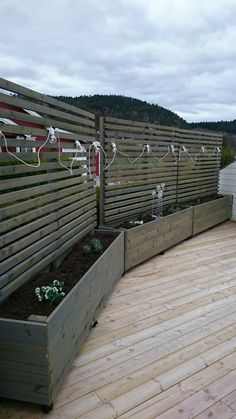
46 209
149 159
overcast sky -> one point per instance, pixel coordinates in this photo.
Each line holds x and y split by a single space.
180 54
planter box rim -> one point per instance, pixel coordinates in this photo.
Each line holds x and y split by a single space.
155 220
217 199
82 279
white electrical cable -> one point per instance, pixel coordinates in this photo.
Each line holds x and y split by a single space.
18 158
70 169
136 159
172 149
216 150
160 158
112 160
97 146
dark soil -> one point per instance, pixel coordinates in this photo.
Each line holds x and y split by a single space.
23 302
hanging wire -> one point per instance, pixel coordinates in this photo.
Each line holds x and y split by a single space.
77 150
172 149
18 158
136 159
160 158
193 159
112 160
97 146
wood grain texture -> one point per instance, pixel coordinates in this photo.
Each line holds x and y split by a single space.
165 344
148 240
36 355
211 213
44 209
127 186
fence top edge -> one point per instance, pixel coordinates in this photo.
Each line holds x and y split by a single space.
16 88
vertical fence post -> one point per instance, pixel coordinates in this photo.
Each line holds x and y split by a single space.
177 167
102 197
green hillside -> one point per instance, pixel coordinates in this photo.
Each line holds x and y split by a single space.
127 108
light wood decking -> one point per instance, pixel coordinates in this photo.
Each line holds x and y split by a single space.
165 345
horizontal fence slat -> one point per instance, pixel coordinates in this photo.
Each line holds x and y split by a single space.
44 208
16 88
128 183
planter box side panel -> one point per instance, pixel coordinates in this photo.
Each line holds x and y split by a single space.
148 240
211 213
23 361
70 325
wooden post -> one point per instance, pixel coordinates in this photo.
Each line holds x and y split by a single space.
177 172
101 214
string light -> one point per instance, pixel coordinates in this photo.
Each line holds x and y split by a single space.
78 149
52 137
18 158
170 149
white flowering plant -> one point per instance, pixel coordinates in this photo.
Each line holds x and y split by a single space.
135 223
52 293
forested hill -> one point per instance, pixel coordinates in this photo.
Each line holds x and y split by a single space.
127 108
223 126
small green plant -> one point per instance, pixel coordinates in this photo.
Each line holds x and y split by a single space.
97 246
87 249
52 293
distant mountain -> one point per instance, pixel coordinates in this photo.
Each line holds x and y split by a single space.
127 108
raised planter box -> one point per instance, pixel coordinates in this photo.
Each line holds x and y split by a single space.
149 239
36 355
211 213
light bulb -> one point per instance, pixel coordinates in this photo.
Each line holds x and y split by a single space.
52 136
96 145
114 148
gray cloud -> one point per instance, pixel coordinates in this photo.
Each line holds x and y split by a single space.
177 53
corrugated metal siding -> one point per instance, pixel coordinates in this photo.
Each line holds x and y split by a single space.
227 184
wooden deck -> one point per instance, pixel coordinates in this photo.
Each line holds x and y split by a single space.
165 345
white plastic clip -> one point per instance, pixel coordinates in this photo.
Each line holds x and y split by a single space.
79 147
96 145
52 136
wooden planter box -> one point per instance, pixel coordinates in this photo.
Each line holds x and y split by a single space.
211 213
36 355
147 240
